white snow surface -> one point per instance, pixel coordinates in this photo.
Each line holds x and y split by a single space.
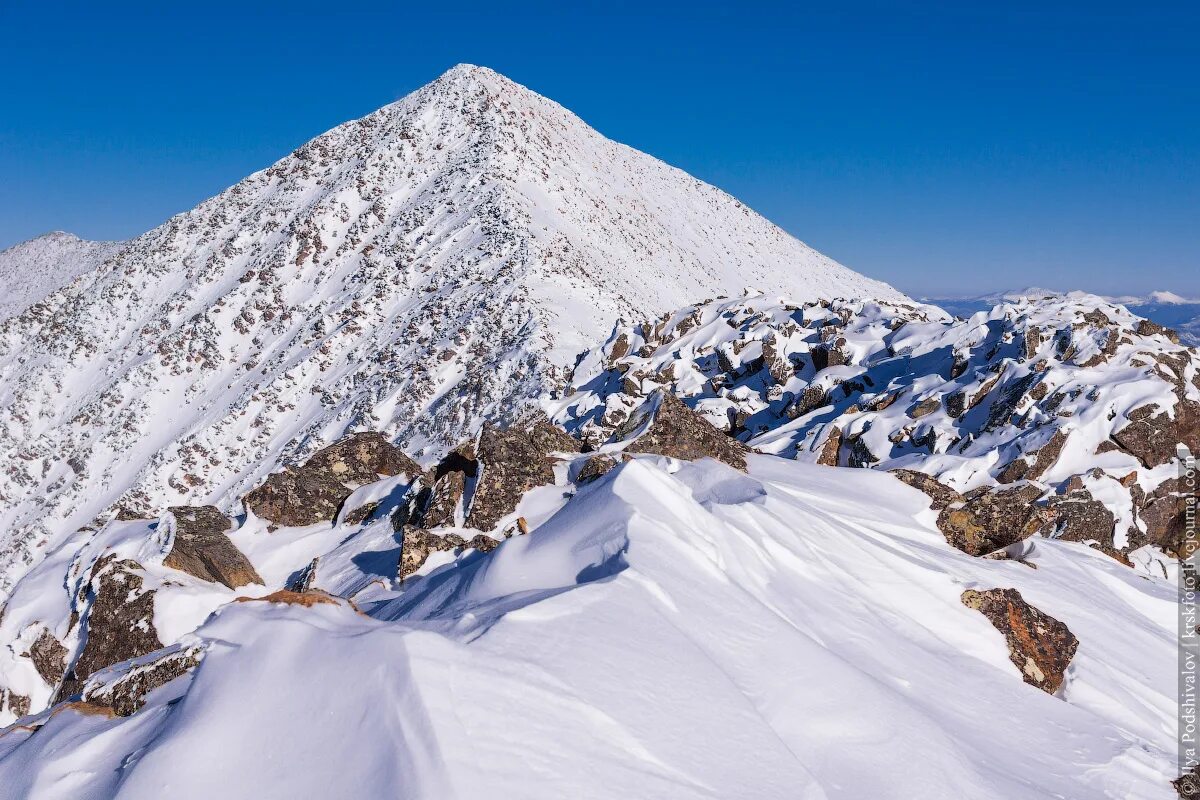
433 264
672 630
31 270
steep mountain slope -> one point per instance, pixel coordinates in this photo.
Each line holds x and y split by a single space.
670 630
31 270
414 271
1071 399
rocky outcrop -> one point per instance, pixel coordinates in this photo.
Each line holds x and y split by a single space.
118 624
677 431
201 547
1163 515
49 657
988 519
419 544
596 467
1039 646
315 491
126 693
1153 437
939 493
1079 517
513 462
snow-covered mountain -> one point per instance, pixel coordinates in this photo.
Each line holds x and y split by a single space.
416 271
31 270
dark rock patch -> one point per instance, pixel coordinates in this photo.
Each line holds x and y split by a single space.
202 548
939 493
49 657
988 519
1039 646
679 432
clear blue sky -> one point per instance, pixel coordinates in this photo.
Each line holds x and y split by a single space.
944 149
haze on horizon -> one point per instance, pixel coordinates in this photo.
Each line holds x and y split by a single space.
946 151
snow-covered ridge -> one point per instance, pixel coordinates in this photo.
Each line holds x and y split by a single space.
1072 393
416 271
31 270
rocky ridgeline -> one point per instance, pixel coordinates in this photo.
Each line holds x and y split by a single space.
1058 415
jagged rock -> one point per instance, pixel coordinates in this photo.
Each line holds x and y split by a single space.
831 448
514 461
1152 438
49 657
361 514
1080 517
202 548
1039 646
438 504
939 493
418 544
813 397
679 432
925 407
18 704
861 455
315 491
304 581
120 621
1163 514
987 519
127 693
596 467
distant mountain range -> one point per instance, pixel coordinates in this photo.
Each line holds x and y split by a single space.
1165 308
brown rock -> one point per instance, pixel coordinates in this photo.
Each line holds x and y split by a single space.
1039 646
127 693
1152 438
939 493
119 622
596 467
679 432
1163 514
514 461
1079 517
925 407
829 455
18 704
49 657
315 491
202 548
988 518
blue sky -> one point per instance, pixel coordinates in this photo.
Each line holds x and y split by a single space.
943 148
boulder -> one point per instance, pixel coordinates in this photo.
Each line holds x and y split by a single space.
1079 517
939 493
832 447
513 462
119 622
418 544
596 467
1163 514
988 519
925 407
49 657
679 432
201 547
315 491
127 692
1152 438
1039 646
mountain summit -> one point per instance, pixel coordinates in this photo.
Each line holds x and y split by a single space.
415 271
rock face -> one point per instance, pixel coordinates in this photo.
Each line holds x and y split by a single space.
419 544
202 548
1039 646
49 657
1152 437
988 519
679 432
514 461
1163 514
126 692
119 623
314 492
596 467
1079 517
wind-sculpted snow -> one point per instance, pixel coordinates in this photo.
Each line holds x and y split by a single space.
674 630
1071 392
429 266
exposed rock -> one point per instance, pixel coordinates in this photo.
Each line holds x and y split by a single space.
679 432
925 407
1079 517
939 493
831 448
315 491
988 519
596 467
1163 514
202 548
418 544
861 455
119 622
514 461
49 657
304 581
361 514
1152 438
1039 646
18 704
127 693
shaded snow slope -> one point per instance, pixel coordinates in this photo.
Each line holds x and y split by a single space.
32 270
674 630
415 271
